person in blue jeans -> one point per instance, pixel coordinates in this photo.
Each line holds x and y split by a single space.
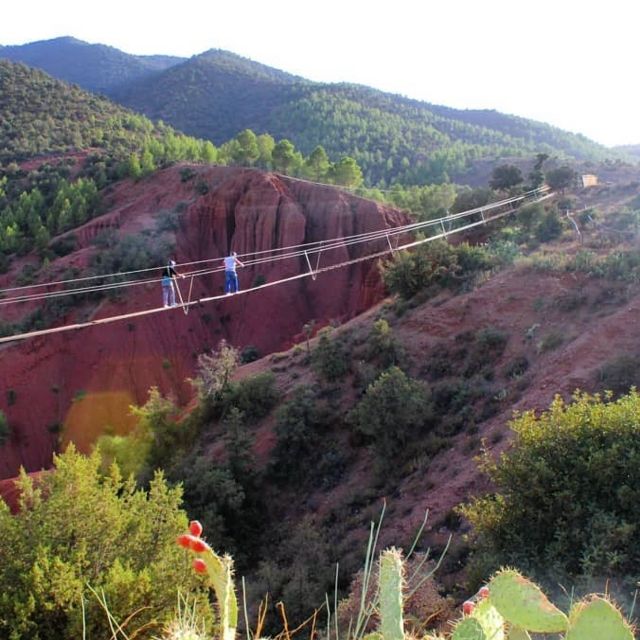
230 275
168 288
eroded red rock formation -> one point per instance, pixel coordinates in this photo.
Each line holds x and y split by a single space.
86 380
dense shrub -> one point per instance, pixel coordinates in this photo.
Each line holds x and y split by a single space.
249 354
213 493
530 215
254 396
549 228
472 258
483 349
516 367
330 358
382 347
77 529
438 264
566 492
394 410
298 425
620 374
432 264
299 574
129 253
620 265
214 374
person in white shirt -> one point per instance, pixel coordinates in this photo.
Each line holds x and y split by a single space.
230 275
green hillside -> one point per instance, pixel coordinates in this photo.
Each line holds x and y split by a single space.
217 94
214 95
41 116
95 67
392 138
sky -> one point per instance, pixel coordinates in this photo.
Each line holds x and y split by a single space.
568 63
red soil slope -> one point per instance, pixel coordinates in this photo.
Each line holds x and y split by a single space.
86 380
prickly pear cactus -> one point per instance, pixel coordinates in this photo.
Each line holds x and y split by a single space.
219 573
490 620
390 606
468 629
522 603
597 618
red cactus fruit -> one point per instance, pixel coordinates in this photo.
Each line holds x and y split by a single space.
196 528
483 592
197 545
468 607
199 565
184 540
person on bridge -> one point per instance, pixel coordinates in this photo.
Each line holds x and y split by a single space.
169 274
230 274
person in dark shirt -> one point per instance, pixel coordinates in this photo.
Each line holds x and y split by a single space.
169 274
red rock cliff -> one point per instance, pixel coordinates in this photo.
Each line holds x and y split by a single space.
86 379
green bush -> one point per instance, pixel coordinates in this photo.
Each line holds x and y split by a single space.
382 347
504 251
549 228
620 265
530 215
516 367
330 358
298 425
299 574
394 410
254 396
65 245
620 374
473 258
76 530
432 264
436 265
566 492
485 348
249 354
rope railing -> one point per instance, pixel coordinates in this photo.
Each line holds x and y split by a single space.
539 196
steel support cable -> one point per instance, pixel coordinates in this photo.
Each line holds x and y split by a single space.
183 264
309 245
146 312
337 243
318 247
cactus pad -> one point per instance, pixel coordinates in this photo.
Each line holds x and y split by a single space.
220 573
490 620
390 599
468 629
522 603
595 619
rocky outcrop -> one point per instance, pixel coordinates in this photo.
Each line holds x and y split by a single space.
76 385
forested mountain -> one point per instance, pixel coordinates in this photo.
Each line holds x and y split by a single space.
392 138
95 67
43 116
217 94
214 95
39 114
